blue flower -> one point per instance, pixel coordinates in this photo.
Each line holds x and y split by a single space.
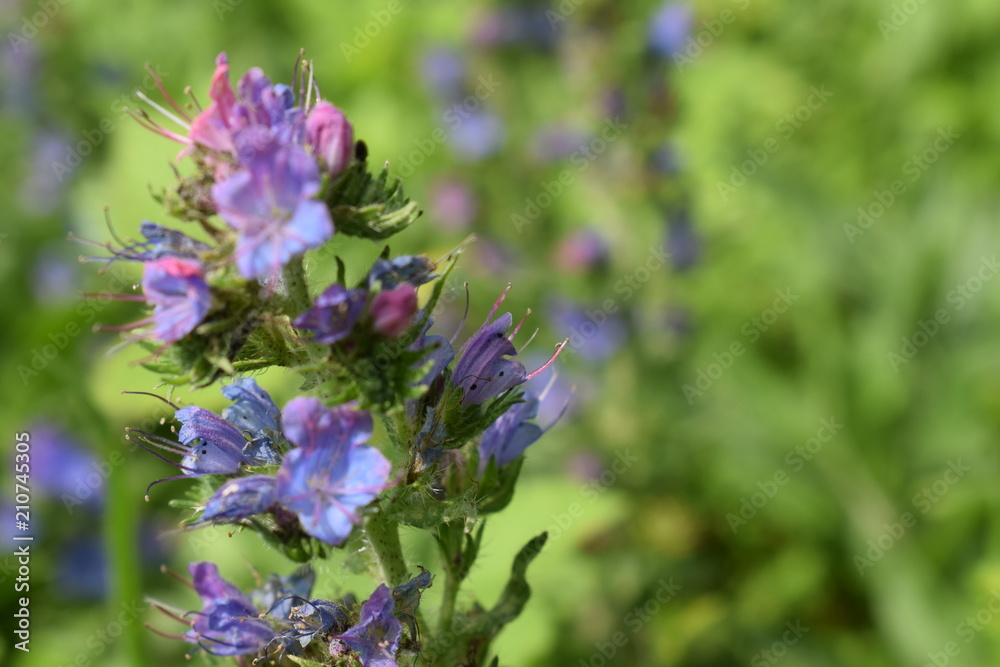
227 624
376 636
483 371
669 28
269 202
254 412
330 476
333 314
239 499
511 434
215 447
180 297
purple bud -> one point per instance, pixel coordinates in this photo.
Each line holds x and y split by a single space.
393 310
330 136
239 499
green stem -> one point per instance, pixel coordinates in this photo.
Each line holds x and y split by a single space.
382 535
451 586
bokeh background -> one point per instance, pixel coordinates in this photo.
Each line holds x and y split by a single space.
769 230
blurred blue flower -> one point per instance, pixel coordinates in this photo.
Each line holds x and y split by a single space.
593 333
669 28
683 243
443 71
556 142
478 135
61 467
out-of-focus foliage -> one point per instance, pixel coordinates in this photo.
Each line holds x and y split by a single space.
782 437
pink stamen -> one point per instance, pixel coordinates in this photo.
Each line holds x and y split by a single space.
503 295
559 348
518 327
163 91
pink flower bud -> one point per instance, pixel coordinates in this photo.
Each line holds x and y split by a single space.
393 310
330 136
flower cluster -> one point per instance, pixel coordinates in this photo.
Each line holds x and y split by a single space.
280 618
276 174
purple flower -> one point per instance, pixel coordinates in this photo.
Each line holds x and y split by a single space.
393 310
669 27
269 201
376 636
483 371
239 499
180 296
62 468
227 624
594 334
443 71
683 242
334 313
440 353
479 135
330 136
213 127
511 434
330 476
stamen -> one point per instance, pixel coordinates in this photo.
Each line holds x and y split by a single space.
518 327
156 396
559 348
503 295
167 571
163 91
528 342
190 93
145 98
111 227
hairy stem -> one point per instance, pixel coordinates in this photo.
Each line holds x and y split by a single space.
382 535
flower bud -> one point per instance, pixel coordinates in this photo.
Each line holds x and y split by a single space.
330 136
393 310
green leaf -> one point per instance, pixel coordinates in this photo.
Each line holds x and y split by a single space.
372 207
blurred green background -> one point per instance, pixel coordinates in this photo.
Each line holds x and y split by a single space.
782 436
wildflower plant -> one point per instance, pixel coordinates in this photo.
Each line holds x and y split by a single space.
276 177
